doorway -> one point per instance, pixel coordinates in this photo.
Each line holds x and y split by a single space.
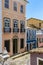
7 45
15 46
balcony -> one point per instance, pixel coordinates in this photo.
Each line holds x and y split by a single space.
22 30
7 30
15 30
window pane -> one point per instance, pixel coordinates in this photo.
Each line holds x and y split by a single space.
6 3
15 23
6 22
15 6
22 25
21 8
40 40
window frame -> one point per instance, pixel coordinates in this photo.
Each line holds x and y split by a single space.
22 9
23 24
8 26
40 40
6 4
15 6
15 23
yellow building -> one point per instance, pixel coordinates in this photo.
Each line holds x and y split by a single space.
12 26
35 23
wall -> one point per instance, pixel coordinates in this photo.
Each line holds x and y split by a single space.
0 26
10 13
33 58
41 37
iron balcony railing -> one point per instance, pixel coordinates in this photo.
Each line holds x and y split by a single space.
15 29
7 30
22 30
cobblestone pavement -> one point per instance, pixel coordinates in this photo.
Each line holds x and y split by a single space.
24 60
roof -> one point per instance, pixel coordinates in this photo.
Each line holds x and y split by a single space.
37 50
35 19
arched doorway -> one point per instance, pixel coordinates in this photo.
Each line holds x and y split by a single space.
15 45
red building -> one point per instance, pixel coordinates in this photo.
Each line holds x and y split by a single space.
39 36
36 56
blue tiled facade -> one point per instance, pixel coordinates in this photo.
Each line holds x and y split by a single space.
31 38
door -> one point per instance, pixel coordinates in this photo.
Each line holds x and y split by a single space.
15 46
7 45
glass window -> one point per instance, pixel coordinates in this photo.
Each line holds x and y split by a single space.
22 43
15 6
22 24
6 22
15 23
40 40
21 8
39 24
6 3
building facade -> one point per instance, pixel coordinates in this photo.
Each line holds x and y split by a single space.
35 23
31 38
12 26
38 26
39 36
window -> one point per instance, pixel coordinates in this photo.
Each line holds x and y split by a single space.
39 24
6 3
21 8
15 6
40 40
22 26
15 23
22 43
7 25
34 45
6 22
15 26
7 45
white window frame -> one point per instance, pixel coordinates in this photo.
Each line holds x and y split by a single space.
6 22
38 60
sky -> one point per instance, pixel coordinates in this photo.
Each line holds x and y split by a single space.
34 9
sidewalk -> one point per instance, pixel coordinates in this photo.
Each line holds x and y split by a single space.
19 55
20 59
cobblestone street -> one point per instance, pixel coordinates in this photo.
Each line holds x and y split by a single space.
25 60
22 60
